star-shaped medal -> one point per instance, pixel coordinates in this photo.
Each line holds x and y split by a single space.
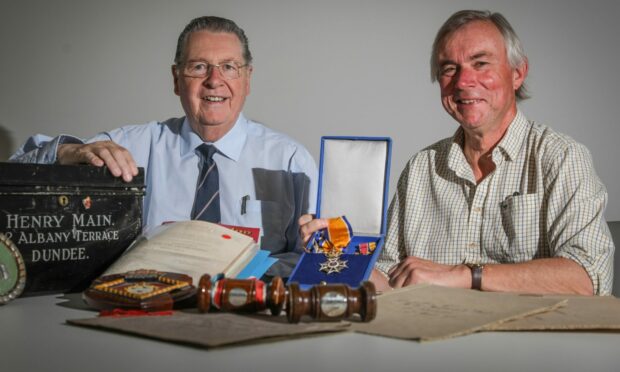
333 265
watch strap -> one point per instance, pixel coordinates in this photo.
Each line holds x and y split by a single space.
476 276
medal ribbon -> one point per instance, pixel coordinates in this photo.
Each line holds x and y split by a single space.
336 237
366 248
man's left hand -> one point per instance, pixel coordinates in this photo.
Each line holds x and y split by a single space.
414 270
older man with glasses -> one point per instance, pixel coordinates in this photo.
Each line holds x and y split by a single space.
213 164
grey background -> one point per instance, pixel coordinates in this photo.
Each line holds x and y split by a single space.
321 68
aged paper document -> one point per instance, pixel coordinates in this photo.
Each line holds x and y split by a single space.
427 313
189 247
209 330
580 313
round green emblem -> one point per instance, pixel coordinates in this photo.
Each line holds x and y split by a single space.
12 271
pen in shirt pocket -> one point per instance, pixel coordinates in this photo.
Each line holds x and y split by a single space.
504 204
244 201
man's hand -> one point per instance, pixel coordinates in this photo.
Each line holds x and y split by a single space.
118 160
308 225
414 270
380 280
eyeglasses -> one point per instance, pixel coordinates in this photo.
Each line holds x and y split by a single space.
202 69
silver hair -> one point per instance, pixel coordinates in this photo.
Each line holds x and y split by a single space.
514 48
213 24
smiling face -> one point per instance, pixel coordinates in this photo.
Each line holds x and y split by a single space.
212 104
476 80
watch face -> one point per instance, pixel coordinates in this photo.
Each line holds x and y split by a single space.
475 268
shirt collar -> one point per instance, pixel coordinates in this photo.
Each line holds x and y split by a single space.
456 157
515 136
509 145
230 145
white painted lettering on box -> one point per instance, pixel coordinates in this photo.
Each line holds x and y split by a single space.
91 220
59 254
15 221
90 236
32 237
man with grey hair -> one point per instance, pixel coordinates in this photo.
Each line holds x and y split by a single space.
213 164
506 204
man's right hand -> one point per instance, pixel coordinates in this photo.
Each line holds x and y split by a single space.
117 158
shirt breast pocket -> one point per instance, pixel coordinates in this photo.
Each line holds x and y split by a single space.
251 215
521 225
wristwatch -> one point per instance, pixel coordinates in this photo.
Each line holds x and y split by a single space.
476 275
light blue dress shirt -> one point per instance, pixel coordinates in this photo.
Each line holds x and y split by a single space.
267 180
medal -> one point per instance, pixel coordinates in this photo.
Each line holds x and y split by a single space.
366 248
331 242
333 265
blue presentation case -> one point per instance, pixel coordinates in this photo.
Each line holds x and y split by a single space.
354 175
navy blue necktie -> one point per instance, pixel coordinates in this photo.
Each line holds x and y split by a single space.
207 202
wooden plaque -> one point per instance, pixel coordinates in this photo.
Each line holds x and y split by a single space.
148 290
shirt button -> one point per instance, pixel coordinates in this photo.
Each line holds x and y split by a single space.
477 209
472 245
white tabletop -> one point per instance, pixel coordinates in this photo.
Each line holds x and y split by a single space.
35 337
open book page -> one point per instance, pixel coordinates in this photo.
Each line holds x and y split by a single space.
189 247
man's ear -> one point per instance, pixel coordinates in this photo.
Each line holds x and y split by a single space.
175 78
250 69
519 74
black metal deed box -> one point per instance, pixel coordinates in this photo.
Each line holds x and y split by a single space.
68 222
